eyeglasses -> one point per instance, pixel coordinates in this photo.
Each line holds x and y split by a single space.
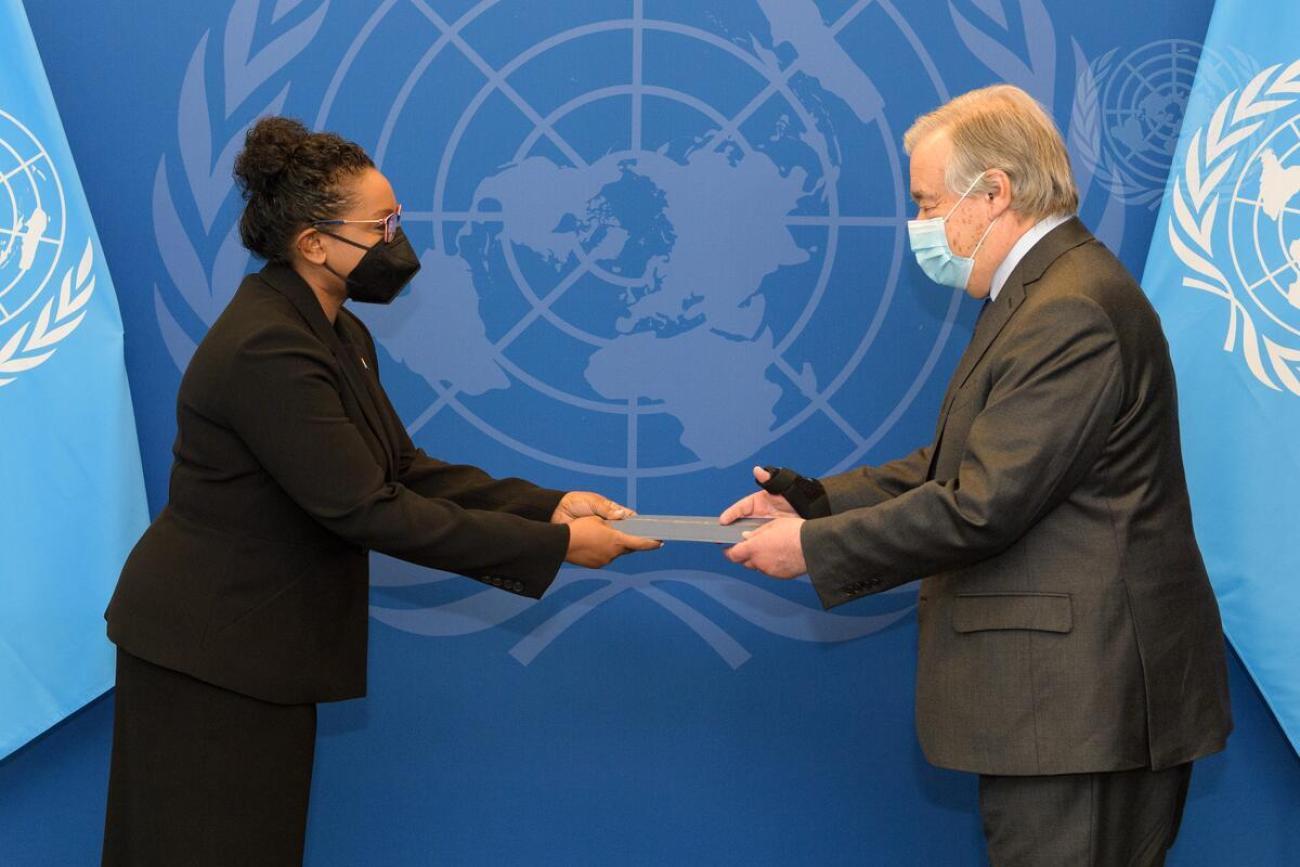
391 224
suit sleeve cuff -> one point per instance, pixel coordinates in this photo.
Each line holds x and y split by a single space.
538 577
831 571
837 493
540 503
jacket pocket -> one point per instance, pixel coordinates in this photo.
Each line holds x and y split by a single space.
1045 612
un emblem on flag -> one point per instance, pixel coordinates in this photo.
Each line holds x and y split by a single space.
1255 131
32 233
1264 218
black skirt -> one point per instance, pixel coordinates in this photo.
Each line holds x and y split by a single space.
201 775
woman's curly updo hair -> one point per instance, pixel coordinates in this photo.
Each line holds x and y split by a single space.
290 178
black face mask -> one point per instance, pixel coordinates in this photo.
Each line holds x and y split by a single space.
383 272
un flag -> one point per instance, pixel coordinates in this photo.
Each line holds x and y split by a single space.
71 490
1224 272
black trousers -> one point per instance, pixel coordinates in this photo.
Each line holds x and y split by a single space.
201 775
1116 819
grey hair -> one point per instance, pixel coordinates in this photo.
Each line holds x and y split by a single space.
1002 127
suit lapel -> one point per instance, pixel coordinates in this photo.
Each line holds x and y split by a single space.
990 324
1040 257
382 415
292 286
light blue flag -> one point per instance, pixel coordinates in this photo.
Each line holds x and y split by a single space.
71 491
1224 272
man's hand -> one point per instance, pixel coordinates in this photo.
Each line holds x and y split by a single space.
584 504
593 543
774 549
758 505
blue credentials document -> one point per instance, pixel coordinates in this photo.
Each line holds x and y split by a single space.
687 528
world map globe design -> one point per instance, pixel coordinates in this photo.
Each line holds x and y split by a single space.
1264 226
641 261
1145 99
31 218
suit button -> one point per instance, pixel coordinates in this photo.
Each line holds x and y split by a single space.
518 586
923 597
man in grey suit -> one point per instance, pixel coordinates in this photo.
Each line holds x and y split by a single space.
1070 649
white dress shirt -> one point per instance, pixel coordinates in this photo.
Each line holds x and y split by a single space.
1021 249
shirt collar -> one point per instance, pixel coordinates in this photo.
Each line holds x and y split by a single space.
1021 249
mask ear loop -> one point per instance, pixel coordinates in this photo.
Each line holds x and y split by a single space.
962 199
338 237
985 235
978 178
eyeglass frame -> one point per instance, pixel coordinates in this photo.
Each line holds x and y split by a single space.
395 219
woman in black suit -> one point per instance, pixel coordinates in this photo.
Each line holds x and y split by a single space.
245 603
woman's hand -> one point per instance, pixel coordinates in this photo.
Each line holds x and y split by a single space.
593 543
582 504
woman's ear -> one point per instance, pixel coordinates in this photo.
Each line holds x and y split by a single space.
310 247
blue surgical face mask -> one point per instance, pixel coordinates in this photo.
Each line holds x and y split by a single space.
934 254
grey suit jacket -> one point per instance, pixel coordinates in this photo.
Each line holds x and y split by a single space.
1066 623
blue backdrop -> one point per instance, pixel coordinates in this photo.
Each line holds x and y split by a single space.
663 240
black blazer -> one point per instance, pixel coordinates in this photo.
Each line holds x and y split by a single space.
1067 624
290 466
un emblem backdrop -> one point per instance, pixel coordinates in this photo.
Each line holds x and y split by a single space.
663 240
658 245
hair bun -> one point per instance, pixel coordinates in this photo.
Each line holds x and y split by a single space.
268 150
290 178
